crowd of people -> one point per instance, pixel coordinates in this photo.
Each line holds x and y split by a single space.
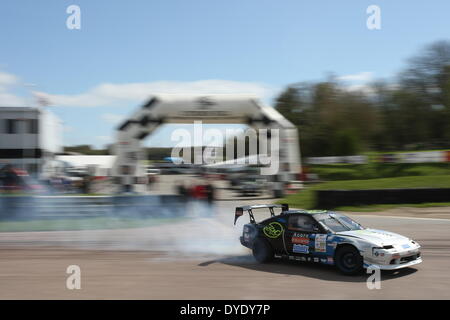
199 191
11 179
15 180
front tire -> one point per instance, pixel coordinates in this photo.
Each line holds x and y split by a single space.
348 260
262 251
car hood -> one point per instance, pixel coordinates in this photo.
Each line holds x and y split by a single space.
377 237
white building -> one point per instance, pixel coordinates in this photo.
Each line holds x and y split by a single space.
29 137
99 166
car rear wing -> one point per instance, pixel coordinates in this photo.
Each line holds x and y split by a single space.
240 210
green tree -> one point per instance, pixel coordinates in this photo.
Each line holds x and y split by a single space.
412 113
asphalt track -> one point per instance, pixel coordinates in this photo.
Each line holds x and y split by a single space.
201 258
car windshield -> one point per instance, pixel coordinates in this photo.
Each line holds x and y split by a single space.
338 222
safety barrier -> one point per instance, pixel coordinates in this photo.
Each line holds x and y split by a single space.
415 157
328 199
401 157
333 160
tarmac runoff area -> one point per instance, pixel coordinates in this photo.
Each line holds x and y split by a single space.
201 258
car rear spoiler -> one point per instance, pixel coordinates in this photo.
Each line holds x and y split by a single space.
240 210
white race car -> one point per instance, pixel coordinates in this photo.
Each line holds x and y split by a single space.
325 237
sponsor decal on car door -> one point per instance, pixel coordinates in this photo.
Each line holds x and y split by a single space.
300 248
300 242
300 238
320 243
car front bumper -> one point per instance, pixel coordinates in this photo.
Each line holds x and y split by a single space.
392 266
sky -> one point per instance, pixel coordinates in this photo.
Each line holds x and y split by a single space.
125 51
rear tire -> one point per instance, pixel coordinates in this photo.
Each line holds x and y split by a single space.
262 251
348 260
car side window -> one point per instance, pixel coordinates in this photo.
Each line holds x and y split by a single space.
301 223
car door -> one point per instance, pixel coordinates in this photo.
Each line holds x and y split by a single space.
273 230
304 237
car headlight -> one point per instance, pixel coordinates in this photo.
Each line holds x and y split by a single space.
378 251
415 244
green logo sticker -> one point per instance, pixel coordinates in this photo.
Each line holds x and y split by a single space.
273 230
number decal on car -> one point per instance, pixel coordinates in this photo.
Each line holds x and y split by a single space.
273 230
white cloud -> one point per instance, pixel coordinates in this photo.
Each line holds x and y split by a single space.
360 88
357 77
7 98
8 79
10 100
357 82
109 94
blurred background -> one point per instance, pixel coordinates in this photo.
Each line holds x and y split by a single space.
368 109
